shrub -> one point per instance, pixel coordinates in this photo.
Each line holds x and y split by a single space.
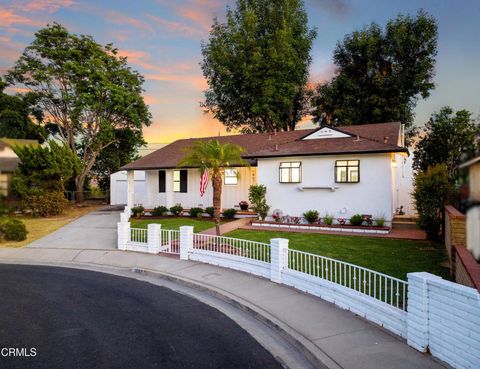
45 203
196 212
210 211
138 210
356 220
311 216
176 210
380 221
159 211
431 192
328 219
12 229
229 213
256 195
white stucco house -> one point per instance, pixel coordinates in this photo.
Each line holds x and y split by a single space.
118 180
341 171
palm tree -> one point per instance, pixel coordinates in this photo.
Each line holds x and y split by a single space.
214 156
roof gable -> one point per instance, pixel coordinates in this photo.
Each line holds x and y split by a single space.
325 133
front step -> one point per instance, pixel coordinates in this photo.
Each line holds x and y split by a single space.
405 222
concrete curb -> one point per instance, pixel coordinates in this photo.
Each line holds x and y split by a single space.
312 353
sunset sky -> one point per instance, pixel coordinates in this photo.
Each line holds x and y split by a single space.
162 39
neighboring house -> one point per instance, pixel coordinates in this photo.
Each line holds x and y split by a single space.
9 161
340 171
118 180
473 208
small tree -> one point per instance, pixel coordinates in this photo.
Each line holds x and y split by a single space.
41 176
431 193
256 195
215 157
449 137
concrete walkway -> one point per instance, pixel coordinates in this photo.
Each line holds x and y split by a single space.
95 230
229 226
338 338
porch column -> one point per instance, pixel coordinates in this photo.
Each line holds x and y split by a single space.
169 194
130 188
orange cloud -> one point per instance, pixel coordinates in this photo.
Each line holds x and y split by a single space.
176 27
185 72
49 6
9 19
196 81
10 50
200 12
122 19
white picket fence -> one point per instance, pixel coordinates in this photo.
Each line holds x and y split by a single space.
382 287
440 316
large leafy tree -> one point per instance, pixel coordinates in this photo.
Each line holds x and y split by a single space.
16 115
214 156
381 73
85 89
256 65
448 138
121 152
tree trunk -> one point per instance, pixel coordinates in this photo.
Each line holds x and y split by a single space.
80 179
79 183
217 198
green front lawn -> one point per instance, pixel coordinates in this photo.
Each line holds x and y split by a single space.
393 257
199 225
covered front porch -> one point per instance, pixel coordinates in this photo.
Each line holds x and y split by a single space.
169 187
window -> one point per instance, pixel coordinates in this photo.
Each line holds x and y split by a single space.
161 181
290 172
180 180
347 171
231 177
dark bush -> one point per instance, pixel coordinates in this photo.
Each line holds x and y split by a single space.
432 190
12 229
196 212
209 211
45 203
311 216
176 210
229 213
160 211
356 220
138 210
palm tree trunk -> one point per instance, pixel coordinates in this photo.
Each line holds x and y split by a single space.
217 198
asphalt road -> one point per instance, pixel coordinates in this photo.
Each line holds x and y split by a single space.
82 319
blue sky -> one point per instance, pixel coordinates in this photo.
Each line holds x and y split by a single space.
162 38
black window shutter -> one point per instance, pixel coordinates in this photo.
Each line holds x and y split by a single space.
161 181
183 180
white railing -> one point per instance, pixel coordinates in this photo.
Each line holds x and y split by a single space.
138 235
232 246
170 241
390 290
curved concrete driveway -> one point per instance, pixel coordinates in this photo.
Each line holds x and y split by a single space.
94 231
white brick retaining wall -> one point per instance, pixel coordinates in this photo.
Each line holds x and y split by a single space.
441 316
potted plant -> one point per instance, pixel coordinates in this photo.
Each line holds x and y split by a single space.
243 205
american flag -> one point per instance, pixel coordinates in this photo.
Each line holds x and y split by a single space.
203 182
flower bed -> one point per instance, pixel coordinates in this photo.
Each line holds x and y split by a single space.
323 227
